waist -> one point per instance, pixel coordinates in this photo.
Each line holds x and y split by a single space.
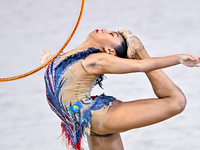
71 96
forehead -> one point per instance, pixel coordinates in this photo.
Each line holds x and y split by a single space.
118 35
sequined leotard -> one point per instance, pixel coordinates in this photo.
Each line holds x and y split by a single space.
68 87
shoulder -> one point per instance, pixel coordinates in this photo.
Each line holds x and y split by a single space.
101 63
94 62
93 59
98 59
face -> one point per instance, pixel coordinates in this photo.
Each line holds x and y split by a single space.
105 39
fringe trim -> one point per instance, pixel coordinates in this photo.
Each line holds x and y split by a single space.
65 142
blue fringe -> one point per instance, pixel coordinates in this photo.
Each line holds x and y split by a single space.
101 101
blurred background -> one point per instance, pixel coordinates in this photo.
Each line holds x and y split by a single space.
165 27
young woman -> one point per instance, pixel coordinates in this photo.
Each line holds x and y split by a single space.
70 78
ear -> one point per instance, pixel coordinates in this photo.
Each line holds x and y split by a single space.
111 51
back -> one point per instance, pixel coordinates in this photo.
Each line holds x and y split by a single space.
68 87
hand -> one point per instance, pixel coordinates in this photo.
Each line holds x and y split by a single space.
45 56
190 61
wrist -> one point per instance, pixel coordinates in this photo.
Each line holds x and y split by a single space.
179 59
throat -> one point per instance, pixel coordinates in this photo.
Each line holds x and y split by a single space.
85 45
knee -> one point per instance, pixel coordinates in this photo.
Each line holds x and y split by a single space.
178 104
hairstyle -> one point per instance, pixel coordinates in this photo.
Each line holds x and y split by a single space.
121 49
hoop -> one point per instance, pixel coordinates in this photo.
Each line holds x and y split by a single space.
56 55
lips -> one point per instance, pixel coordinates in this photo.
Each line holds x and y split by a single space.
97 30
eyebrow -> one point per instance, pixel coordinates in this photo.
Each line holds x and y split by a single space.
117 34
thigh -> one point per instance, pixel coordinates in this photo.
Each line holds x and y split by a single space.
123 116
112 142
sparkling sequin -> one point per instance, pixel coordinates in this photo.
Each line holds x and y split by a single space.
73 124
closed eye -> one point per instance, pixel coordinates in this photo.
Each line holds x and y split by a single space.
111 34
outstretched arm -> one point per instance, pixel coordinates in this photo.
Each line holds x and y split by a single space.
105 63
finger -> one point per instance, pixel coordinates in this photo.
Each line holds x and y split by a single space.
193 58
196 66
48 52
197 60
197 57
43 53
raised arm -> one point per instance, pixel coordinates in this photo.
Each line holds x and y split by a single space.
105 63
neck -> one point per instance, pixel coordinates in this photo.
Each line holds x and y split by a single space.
85 45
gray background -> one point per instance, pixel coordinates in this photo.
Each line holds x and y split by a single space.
165 27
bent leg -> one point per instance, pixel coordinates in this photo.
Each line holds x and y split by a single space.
112 142
162 85
139 113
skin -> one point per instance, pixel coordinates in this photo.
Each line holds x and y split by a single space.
170 100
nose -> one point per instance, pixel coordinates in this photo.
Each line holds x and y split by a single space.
104 30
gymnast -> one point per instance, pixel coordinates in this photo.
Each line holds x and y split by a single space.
71 76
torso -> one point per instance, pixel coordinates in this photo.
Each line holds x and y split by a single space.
71 81
78 83
68 87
